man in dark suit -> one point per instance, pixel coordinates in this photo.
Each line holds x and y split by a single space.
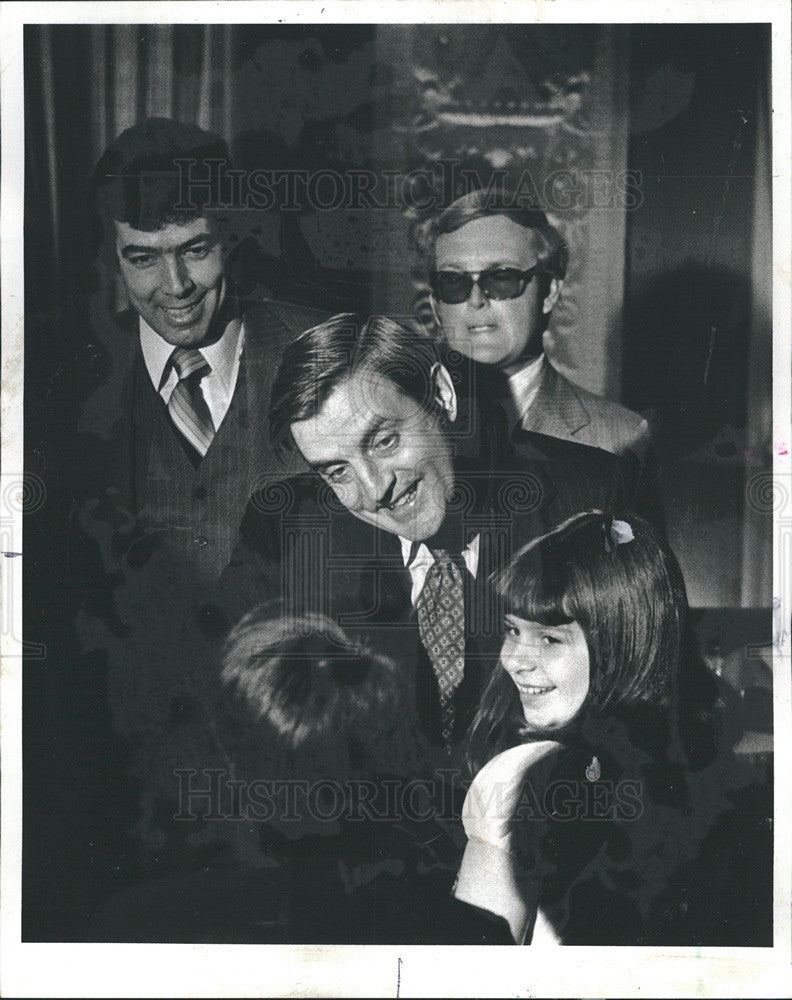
186 403
393 535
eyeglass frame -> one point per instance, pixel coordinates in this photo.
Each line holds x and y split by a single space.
525 278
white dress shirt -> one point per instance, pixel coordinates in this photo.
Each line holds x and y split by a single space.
223 357
524 386
422 561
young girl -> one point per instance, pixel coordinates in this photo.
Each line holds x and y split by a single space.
599 813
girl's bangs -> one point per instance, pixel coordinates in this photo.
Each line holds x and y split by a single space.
537 593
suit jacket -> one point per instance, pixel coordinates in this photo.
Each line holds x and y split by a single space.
300 546
141 445
489 430
564 410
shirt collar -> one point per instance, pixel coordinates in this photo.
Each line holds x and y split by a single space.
410 551
416 554
221 355
156 353
524 383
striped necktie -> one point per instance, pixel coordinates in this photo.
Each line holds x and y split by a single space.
441 622
187 406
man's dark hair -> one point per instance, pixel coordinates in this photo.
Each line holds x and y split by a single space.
484 203
313 366
158 172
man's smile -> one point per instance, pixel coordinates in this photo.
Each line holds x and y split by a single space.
184 315
384 453
405 499
174 278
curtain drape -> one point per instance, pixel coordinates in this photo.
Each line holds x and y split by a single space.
125 73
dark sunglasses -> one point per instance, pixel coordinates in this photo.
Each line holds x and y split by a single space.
454 287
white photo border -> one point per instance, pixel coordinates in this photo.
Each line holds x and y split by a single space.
30 969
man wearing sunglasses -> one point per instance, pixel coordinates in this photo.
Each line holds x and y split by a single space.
496 272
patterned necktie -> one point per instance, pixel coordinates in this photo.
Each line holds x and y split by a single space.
441 622
187 406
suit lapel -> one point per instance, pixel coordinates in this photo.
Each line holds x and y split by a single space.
260 356
557 408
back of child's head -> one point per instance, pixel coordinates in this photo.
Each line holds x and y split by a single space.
622 585
302 697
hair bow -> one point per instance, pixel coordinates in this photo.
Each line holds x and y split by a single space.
617 533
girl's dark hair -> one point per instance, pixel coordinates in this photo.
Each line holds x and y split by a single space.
627 596
300 697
